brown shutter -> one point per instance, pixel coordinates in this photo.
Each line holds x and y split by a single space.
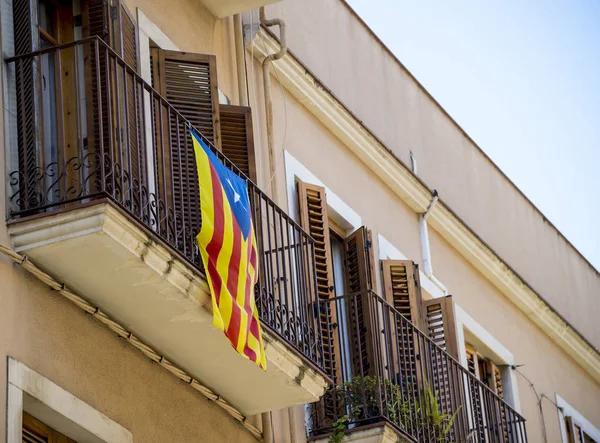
359 281
473 367
237 139
312 204
34 431
402 289
440 323
495 380
131 113
189 82
441 328
96 22
26 38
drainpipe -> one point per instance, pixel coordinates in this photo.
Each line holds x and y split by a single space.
425 249
240 59
292 418
267 90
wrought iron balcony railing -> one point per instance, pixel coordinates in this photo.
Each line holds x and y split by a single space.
388 371
95 130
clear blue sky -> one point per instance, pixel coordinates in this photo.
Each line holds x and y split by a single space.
523 79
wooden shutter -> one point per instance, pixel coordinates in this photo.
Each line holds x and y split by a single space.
576 433
189 82
34 431
359 279
475 402
441 328
495 378
402 290
440 323
26 41
96 21
237 139
131 112
312 203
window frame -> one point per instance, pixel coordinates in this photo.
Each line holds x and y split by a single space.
566 410
23 380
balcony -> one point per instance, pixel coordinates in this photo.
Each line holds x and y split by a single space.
395 384
98 199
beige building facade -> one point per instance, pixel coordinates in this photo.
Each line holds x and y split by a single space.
105 314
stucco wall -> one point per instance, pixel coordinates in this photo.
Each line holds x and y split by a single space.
332 42
194 29
551 370
53 337
56 339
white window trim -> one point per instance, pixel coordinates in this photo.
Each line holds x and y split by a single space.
23 380
339 211
501 355
433 288
565 409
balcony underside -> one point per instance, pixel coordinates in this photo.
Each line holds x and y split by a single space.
109 259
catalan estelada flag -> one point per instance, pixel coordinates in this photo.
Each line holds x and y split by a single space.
228 249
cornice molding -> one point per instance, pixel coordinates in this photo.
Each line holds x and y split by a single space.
309 91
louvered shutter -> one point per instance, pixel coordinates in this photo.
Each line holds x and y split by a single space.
131 113
441 328
402 290
189 82
575 432
237 139
96 21
34 431
440 323
495 378
26 41
312 203
361 309
474 393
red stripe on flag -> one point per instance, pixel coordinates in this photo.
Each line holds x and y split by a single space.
216 242
233 331
252 323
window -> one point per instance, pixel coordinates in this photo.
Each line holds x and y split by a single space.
575 428
39 411
34 431
485 370
576 432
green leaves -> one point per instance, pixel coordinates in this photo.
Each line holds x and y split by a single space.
372 397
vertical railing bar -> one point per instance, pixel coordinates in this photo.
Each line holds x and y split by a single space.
119 135
111 158
281 260
128 148
158 152
80 153
61 137
294 312
171 201
165 196
141 150
182 206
